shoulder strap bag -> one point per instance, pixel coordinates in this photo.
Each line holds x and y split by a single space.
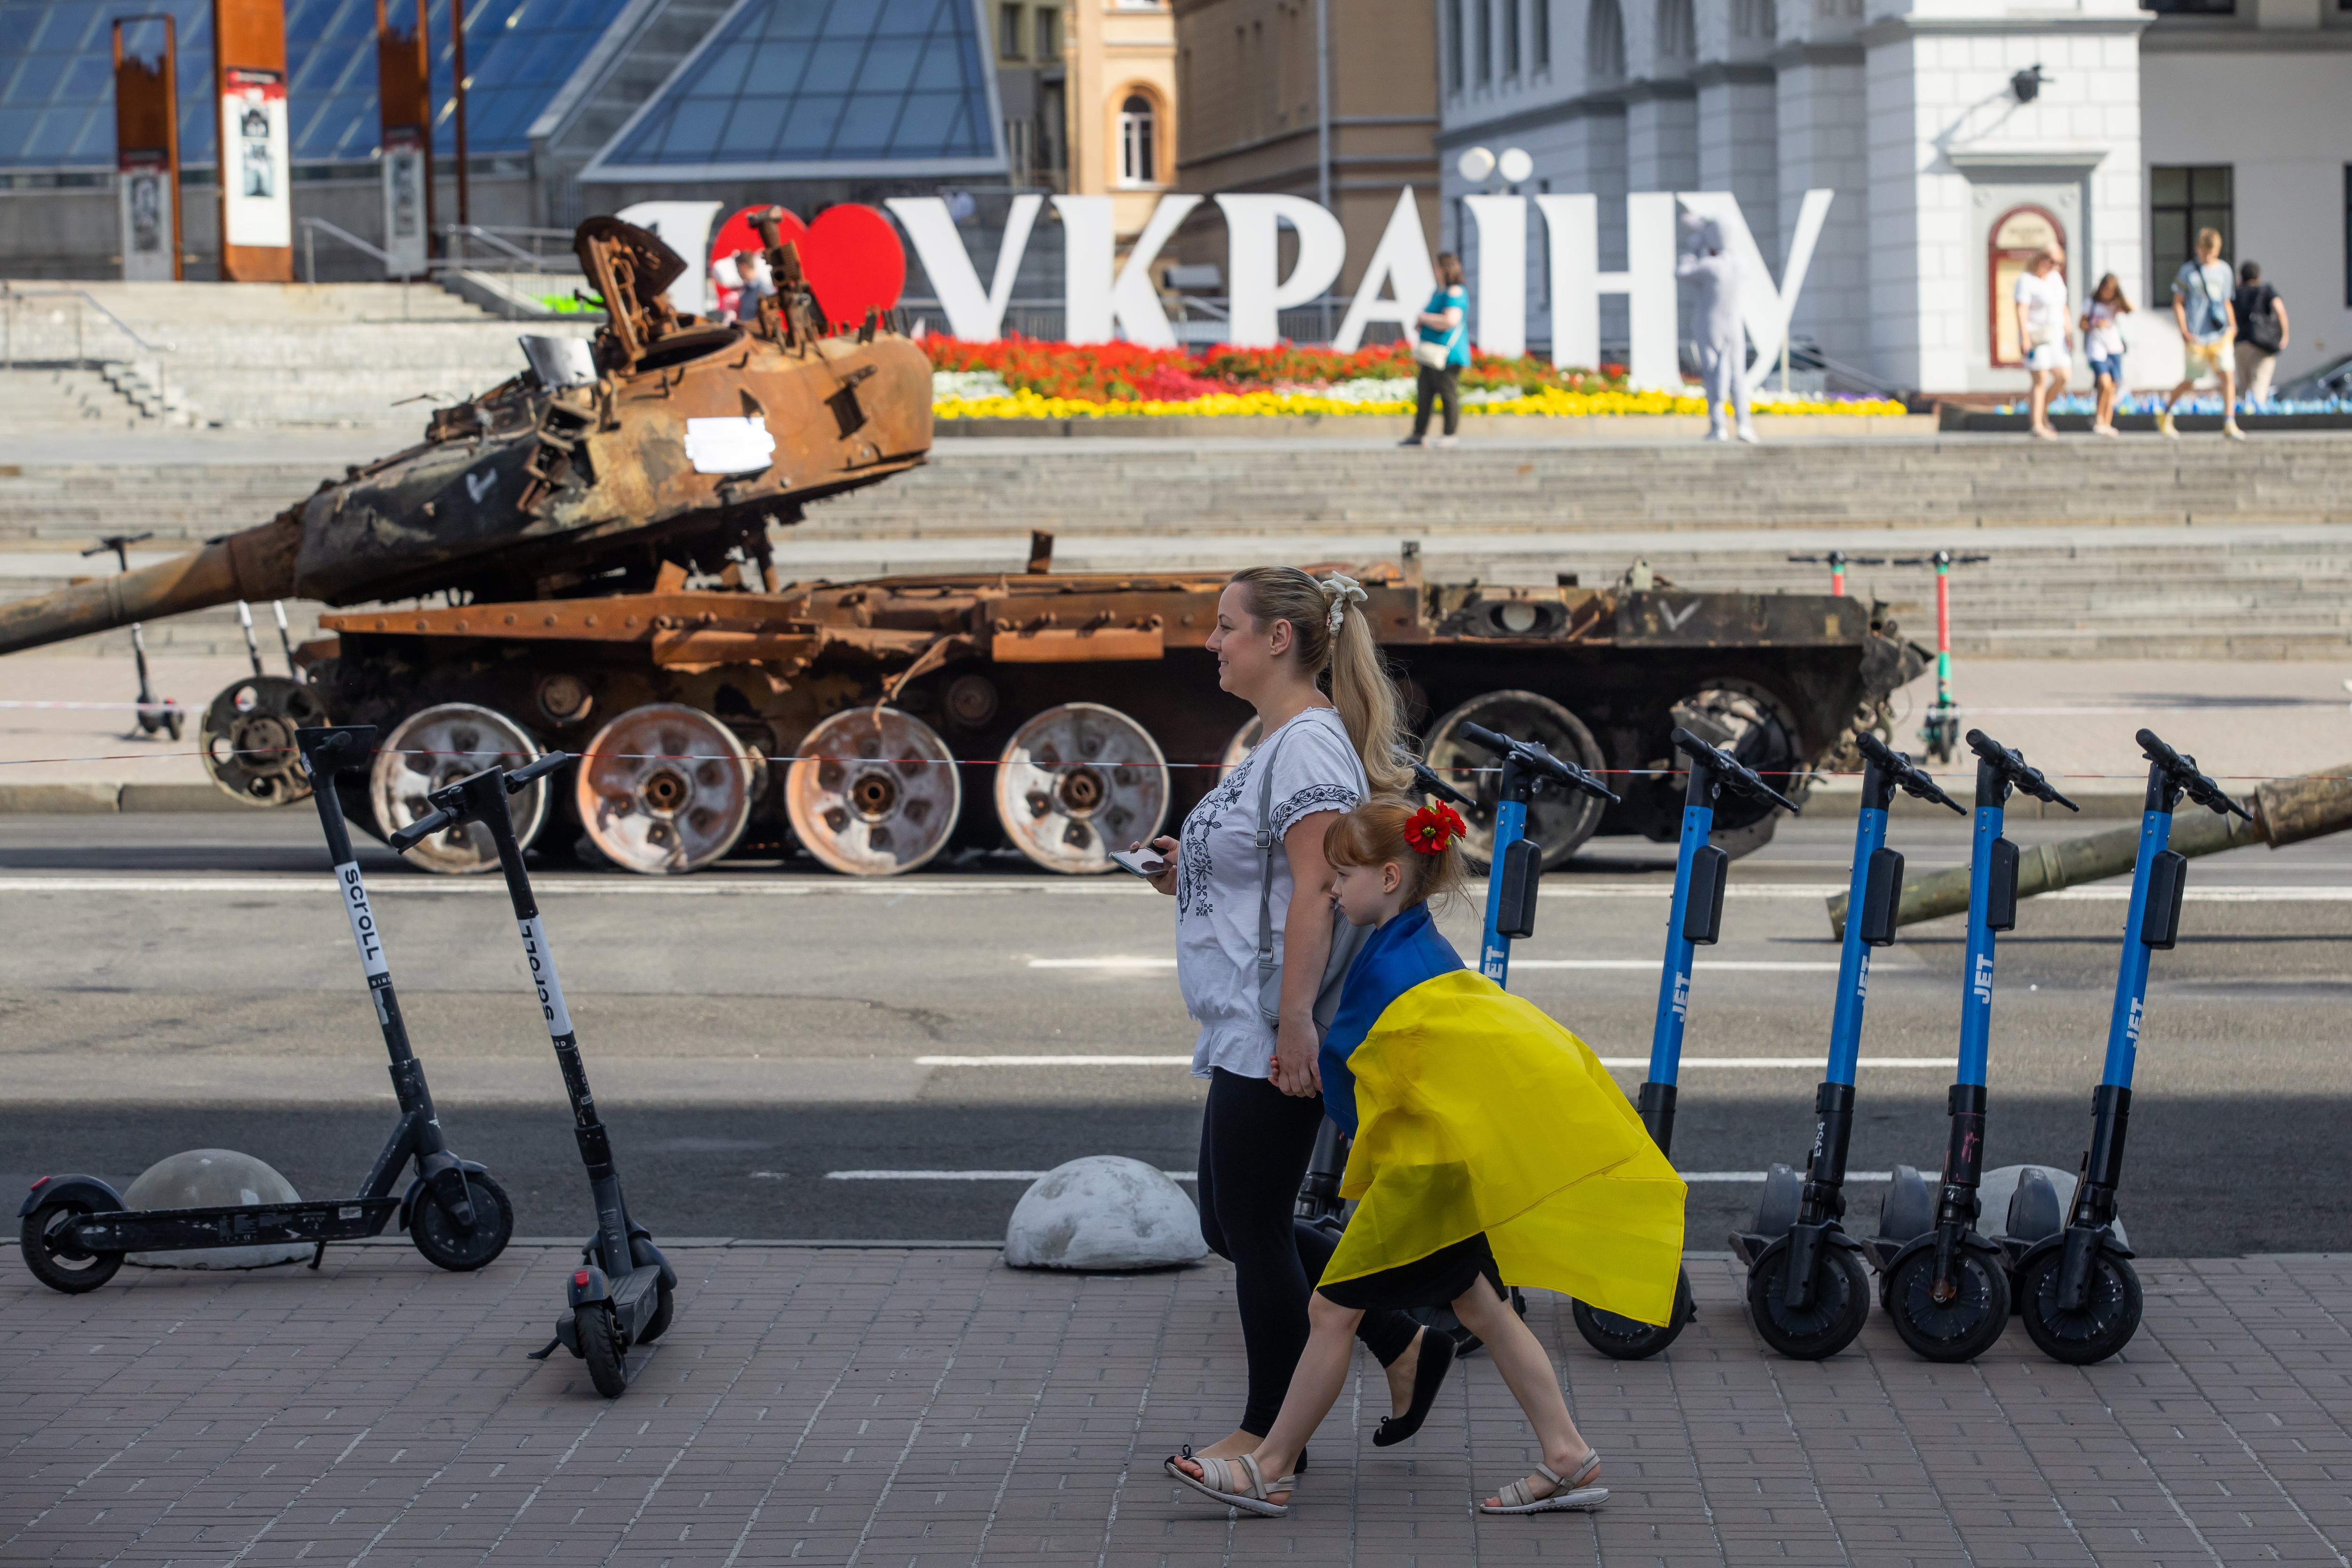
1346 939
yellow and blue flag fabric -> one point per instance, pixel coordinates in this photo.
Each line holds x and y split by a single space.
1473 1112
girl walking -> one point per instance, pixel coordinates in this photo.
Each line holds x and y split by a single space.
2102 345
1490 1144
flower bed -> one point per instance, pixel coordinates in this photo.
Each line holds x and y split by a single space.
1025 379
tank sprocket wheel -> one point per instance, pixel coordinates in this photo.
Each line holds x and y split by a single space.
1557 822
1077 781
1762 732
247 738
440 744
875 792
665 789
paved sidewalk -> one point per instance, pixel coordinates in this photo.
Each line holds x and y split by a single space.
914 1405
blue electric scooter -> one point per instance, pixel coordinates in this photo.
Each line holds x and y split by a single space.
1694 920
1808 1288
2076 1287
1947 1285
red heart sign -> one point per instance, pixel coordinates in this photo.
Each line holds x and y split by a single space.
851 256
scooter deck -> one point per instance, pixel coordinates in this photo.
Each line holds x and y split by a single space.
186 1229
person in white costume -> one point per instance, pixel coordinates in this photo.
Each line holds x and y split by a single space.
1722 340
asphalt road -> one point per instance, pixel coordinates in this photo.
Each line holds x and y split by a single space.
174 982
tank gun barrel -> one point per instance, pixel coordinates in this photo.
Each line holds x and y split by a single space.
2286 811
257 563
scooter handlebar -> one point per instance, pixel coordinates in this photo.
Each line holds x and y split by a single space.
1729 770
519 779
1538 761
1425 779
2183 772
2026 778
416 833
1898 767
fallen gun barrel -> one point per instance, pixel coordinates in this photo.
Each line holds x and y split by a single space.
2286 811
256 564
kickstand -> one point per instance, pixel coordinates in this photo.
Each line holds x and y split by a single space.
319 1257
550 1350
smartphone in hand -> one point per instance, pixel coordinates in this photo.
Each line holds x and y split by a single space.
1142 863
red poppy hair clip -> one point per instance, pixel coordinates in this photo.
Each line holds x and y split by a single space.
1430 830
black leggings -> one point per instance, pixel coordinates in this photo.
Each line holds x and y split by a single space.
1439 386
1255 1143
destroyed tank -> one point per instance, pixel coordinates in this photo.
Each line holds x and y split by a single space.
578 559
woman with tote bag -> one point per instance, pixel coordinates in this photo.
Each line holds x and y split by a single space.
1440 351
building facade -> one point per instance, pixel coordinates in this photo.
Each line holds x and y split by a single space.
1956 136
1123 105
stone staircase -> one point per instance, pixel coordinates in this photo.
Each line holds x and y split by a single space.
275 355
2137 550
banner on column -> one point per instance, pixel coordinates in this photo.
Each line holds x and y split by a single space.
405 227
256 160
143 180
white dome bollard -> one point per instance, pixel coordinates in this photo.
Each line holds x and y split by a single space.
1104 1213
1998 1185
214 1178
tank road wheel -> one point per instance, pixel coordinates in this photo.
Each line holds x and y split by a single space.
437 746
1558 823
1761 732
1078 781
664 789
875 792
247 738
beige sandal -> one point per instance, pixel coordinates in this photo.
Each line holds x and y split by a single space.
1236 1483
1520 1498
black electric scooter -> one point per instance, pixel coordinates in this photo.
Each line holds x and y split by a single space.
2076 1287
624 1293
1702 871
154 716
1946 1286
1808 1288
75 1229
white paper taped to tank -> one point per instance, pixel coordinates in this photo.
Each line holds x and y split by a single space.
729 446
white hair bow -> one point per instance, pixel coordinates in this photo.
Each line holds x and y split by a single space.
1339 588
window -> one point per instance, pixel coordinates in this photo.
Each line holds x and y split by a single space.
1008 32
1453 43
1049 33
1677 32
1510 37
1753 20
1604 42
1485 41
2191 8
1139 139
1543 34
2182 201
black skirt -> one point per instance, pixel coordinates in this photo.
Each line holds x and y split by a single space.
1437 1280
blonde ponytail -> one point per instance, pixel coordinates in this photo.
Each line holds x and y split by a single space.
1362 687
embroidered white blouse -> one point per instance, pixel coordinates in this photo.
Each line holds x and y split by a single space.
1316 770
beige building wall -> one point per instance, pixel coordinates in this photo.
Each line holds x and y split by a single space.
1124 105
1246 71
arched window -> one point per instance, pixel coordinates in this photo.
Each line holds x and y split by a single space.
1753 20
2020 234
1677 32
1604 42
1139 141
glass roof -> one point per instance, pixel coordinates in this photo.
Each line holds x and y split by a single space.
823 81
57 88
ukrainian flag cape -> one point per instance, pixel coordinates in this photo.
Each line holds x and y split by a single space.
1476 1112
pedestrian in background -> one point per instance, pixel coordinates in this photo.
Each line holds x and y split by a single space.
2040 301
1440 350
2102 345
2261 332
1721 332
2202 308
1255 944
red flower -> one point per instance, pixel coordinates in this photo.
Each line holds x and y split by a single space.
1430 830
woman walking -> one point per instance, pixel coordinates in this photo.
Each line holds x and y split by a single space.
1254 943
1488 1141
2102 345
1440 351
2041 296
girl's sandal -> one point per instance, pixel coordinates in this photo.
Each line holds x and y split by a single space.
1236 1483
1569 1491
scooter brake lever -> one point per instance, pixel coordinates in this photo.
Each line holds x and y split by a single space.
1729 769
2184 774
1425 779
1568 775
416 833
1915 780
521 778
2026 778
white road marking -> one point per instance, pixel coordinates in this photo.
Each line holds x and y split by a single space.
970 1176
1111 963
1627 1061
1053 1061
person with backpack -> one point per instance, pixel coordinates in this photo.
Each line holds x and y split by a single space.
1441 349
2203 308
2261 332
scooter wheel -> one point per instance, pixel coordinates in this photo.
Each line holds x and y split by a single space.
1841 1304
447 1245
2101 1327
55 1264
601 1348
1960 1329
1630 1338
